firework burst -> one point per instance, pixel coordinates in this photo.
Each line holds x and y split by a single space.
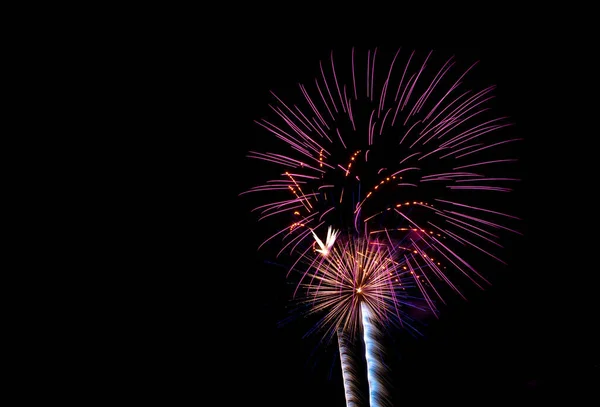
357 273
406 152
358 287
409 163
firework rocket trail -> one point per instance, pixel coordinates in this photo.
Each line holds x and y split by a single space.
349 374
375 368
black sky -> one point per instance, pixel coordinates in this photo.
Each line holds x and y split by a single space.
522 339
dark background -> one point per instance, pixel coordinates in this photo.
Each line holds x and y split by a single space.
531 336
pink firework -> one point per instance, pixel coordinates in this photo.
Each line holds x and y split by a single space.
397 148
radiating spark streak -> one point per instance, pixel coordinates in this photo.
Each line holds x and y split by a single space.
434 123
327 87
324 101
336 83
373 74
461 110
403 74
289 139
305 220
457 151
340 136
448 249
451 174
353 76
296 240
279 211
475 233
481 132
292 125
411 89
485 163
405 169
476 208
407 184
447 126
409 156
408 131
485 222
321 132
312 105
370 134
290 110
325 212
305 118
351 116
479 248
346 100
266 188
271 159
401 105
480 188
489 146
383 121
487 179
300 140
387 80
368 70
276 205
467 224
302 256
450 126
434 83
301 176
475 129
458 111
301 192
346 170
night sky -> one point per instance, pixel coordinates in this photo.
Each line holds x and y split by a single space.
521 339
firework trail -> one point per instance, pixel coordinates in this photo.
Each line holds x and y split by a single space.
394 149
349 373
378 395
358 286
